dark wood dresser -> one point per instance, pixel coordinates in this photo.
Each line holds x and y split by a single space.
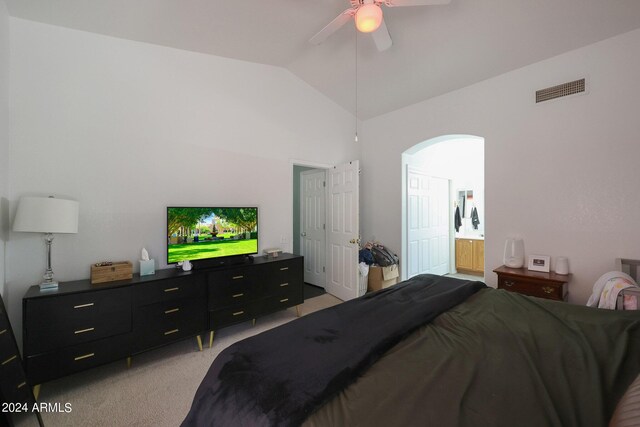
15 394
239 294
79 325
534 283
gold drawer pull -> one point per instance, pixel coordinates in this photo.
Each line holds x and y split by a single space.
237 277
238 313
172 289
509 283
3 331
237 295
547 289
9 359
82 331
83 305
22 384
84 356
284 284
284 268
173 310
284 300
173 331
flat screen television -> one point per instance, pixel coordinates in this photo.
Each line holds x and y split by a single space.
206 233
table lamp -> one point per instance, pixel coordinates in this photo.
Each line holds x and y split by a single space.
46 215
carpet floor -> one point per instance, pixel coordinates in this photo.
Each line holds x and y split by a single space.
158 388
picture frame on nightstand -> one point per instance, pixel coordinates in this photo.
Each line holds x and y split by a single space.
539 263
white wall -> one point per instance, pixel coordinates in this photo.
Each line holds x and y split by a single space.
4 136
128 128
562 174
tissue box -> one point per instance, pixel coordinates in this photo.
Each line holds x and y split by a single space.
147 267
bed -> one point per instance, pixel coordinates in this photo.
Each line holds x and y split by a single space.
431 350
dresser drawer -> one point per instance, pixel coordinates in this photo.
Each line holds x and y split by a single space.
167 290
84 329
74 309
16 391
14 382
7 346
276 303
174 326
65 361
282 274
230 316
233 280
165 314
236 294
546 290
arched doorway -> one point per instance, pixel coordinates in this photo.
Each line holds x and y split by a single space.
438 176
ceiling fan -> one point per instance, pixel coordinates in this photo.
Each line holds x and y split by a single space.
368 19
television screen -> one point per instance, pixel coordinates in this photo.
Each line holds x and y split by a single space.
195 233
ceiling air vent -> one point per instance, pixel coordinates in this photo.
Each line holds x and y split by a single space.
559 91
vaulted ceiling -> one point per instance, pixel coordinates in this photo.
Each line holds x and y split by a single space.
436 49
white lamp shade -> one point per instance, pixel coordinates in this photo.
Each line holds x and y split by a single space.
46 215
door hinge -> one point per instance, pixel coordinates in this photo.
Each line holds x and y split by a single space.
324 226
323 269
324 183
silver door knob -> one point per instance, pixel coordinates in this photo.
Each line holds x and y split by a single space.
303 234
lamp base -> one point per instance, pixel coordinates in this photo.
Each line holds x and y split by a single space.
48 285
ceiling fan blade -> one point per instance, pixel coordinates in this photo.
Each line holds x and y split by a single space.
398 3
381 37
333 26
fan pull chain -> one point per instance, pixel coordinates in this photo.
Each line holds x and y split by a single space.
356 114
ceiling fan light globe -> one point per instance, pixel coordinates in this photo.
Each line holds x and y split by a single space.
368 18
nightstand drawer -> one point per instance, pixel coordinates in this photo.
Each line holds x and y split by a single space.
547 285
74 309
65 361
532 288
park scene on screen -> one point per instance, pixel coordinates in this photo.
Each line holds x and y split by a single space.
201 233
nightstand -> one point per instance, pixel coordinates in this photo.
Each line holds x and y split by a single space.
534 283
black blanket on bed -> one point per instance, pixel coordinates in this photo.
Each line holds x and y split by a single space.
279 377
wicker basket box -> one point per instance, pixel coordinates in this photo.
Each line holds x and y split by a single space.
110 272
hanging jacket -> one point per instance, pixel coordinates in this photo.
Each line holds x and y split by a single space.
457 221
474 218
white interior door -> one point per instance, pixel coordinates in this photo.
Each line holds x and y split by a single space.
343 226
427 223
312 225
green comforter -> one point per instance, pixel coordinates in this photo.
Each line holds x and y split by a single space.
498 359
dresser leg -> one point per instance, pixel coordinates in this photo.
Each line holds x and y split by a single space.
211 339
253 322
298 310
36 391
199 342
128 362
